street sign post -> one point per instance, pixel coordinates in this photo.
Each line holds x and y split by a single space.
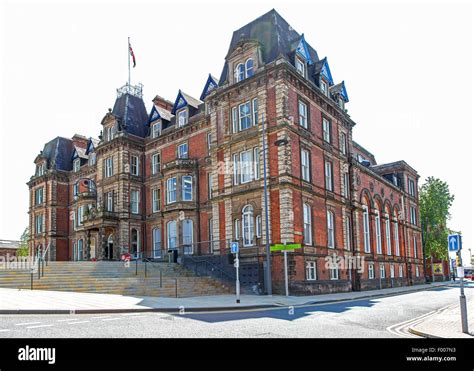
455 245
454 242
234 249
285 248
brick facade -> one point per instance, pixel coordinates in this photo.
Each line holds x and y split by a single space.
232 208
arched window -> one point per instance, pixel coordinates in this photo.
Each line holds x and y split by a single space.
156 243
171 234
330 222
249 68
239 72
388 236
307 230
366 223
395 235
187 230
378 232
247 225
135 243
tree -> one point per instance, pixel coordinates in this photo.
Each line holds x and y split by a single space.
435 202
23 249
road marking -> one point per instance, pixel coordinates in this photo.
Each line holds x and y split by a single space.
40 326
73 323
4 330
26 323
100 317
67 320
111 319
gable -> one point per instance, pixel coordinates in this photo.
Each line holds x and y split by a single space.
326 72
211 84
179 103
303 50
154 115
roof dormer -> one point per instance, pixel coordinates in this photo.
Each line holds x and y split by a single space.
184 107
339 93
210 85
323 77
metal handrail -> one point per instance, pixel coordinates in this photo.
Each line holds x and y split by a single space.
212 265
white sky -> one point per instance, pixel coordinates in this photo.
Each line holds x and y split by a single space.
407 68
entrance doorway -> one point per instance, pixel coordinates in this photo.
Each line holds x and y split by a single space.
109 250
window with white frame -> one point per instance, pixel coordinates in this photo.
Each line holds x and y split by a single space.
39 196
395 237
388 239
311 273
171 190
245 116
187 231
326 130
255 110
392 271
155 130
330 229
415 247
258 226
39 224
134 201
109 201
76 165
187 188
80 215
256 163
378 233
303 114
235 120
417 271
412 215
411 187
400 271
209 142
239 72
209 185
172 235
371 271
134 165
382 270
345 185
236 229
109 167
155 163
328 175
347 231
246 166
249 68
183 151
305 165
334 272
366 224
156 200
300 66
343 143
247 225
182 117
307 229
156 242
92 159
40 169
324 87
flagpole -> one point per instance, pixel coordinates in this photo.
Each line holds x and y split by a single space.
128 52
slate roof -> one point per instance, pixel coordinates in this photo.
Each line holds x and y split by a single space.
275 35
81 152
58 153
164 114
137 116
193 102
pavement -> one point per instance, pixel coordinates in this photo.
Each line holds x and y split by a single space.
14 301
445 323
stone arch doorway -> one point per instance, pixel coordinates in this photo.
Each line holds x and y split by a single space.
109 248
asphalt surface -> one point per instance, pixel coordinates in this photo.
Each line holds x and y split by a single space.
373 318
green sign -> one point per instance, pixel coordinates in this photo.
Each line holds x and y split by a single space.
290 246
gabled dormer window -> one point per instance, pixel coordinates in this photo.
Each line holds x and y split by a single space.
155 130
300 66
324 87
40 169
76 165
340 102
182 117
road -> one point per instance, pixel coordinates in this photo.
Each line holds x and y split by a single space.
373 318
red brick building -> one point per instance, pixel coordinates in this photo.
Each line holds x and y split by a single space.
188 176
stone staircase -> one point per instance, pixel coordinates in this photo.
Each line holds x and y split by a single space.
163 279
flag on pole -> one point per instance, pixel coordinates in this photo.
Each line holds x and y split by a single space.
132 54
